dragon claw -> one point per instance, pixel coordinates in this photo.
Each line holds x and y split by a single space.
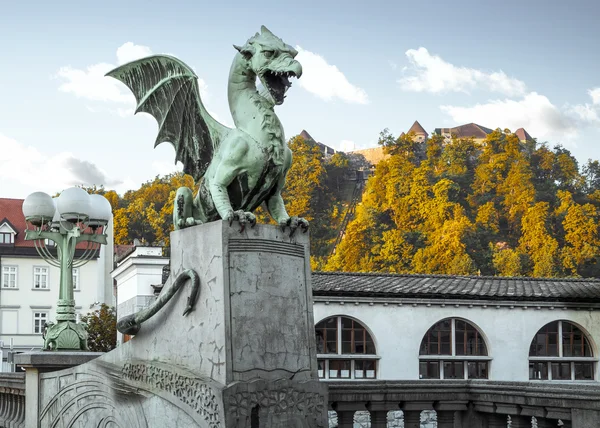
243 218
294 223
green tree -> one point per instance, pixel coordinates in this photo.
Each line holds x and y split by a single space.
102 328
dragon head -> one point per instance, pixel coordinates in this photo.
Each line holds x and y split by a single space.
272 61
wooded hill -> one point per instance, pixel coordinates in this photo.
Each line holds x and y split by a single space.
501 207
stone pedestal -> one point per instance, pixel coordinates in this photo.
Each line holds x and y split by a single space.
244 357
37 363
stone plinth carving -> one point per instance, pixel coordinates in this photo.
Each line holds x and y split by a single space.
244 357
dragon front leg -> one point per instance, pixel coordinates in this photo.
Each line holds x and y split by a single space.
278 212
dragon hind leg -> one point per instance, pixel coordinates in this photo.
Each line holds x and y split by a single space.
183 209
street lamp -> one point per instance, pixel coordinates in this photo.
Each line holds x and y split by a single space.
71 218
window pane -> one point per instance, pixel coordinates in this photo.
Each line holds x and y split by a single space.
339 369
561 371
364 369
320 341
321 368
538 370
370 345
584 371
445 345
545 342
477 369
429 370
454 370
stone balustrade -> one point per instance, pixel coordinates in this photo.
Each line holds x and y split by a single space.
469 404
12 400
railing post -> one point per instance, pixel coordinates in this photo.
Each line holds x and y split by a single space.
520 421
379 413
379 418
446 411
412 412
345 418
497 420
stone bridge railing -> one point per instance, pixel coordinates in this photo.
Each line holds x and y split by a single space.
12 400
469 404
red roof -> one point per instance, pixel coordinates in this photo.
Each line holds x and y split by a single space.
11 210
523 135
417 129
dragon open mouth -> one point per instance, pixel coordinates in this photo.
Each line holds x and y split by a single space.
277 83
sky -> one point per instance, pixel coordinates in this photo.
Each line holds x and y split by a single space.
367 66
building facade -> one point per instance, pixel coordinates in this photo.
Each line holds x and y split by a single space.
448 327
29 285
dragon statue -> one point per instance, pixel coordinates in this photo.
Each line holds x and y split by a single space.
239 168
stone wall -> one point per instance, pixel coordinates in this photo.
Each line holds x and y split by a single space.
12 400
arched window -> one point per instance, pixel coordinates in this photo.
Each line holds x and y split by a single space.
453 349
345 349
561 351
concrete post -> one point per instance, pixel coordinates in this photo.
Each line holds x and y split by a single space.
345 418
445 419
412 418
378 418
584 418
32 397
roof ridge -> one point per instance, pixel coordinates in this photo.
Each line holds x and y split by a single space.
482 277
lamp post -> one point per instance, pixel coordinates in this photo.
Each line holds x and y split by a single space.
72 218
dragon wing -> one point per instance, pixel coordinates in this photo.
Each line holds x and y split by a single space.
167 89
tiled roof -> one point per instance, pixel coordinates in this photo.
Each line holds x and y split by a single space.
11 210
523 135
417 129
306 135
466 131
455 287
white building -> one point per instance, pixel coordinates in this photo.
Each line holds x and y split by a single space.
411 327
29 286
134 277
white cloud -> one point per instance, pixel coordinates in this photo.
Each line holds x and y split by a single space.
166 168
26 167
585 112
326 81
347 146
430 73
534 112
595 94
129 51
91 83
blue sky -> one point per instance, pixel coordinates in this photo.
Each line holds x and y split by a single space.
367 66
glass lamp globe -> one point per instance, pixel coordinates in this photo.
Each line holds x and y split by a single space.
74 204
38 208
101 211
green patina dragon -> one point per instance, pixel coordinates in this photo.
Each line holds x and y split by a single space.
237 169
